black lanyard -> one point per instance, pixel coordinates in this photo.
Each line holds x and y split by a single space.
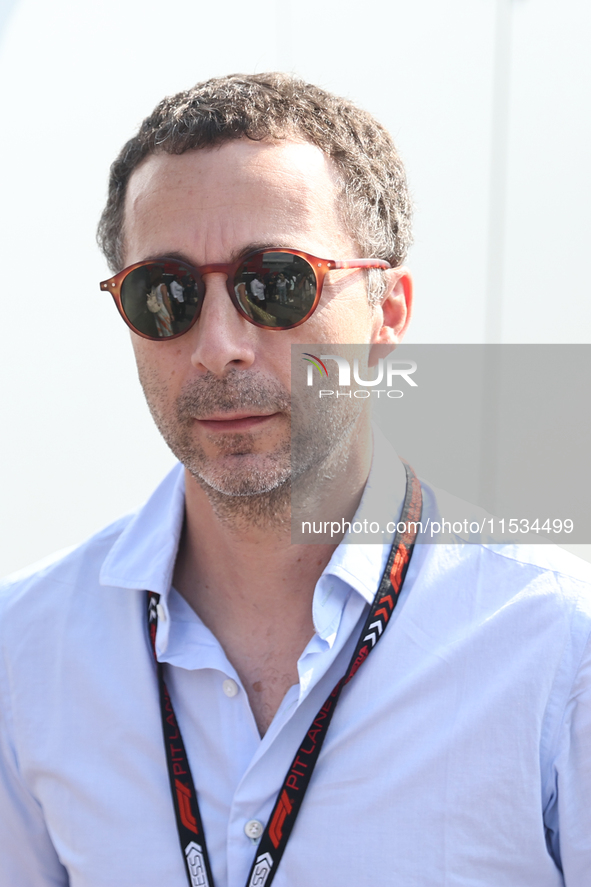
291 793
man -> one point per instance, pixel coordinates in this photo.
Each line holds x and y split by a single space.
178 294
458 753
282 288
257 288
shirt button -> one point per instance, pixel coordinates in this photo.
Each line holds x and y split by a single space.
161 612
230 687
253 829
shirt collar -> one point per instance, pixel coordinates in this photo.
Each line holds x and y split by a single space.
144 555
360 566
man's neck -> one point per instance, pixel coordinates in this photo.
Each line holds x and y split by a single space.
256 598
253 588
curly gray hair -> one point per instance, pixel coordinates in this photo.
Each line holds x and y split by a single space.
374 199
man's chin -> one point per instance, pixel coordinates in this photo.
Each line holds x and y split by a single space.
242 476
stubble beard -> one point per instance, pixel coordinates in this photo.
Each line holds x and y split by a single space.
249 488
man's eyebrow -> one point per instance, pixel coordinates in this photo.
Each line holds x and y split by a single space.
234 257
169 254
258 246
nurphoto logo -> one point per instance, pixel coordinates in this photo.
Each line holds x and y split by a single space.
388 371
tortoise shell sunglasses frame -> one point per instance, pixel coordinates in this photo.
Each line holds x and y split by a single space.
176 267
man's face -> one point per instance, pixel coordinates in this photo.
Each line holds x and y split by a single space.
220 394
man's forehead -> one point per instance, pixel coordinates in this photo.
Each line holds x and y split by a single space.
240 162
242 191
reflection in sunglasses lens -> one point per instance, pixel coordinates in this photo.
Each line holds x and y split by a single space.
275 289
160 299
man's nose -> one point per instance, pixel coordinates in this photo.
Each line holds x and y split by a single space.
222 338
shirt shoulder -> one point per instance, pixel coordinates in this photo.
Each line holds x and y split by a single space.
499 575
67 569
125 554
504 568
555 563
527 596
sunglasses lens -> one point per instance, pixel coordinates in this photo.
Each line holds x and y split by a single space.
275 289
161 299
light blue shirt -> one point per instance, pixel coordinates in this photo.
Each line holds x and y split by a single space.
460 754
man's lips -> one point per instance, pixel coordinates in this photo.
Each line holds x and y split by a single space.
235 421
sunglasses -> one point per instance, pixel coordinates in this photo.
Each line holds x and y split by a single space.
274 289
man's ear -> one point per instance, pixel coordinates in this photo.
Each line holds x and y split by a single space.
392 315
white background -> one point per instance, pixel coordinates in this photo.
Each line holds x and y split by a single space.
497 146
